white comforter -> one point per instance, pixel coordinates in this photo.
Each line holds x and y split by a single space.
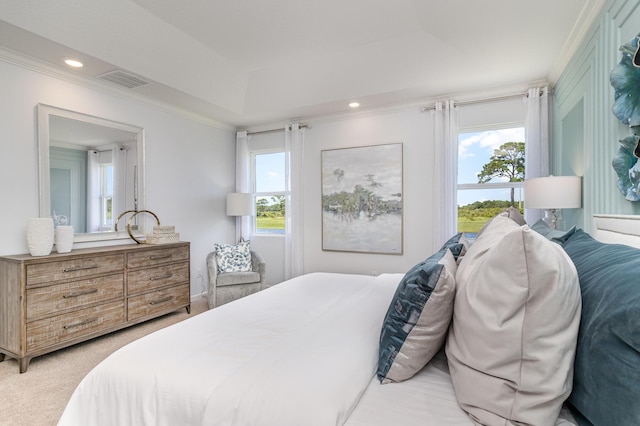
300 353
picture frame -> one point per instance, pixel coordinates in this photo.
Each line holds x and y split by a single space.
362 199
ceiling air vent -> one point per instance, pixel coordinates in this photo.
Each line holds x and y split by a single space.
124 79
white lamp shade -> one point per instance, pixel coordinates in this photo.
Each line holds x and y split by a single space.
553 192
239 204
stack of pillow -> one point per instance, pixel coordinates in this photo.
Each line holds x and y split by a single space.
507 308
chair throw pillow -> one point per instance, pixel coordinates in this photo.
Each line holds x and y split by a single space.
515 324
233 258
418 318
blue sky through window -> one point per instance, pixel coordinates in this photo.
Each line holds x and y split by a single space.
270 172
474 151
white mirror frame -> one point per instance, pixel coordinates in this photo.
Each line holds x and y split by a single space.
44 112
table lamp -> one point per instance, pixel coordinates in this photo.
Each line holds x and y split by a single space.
240 204
553 193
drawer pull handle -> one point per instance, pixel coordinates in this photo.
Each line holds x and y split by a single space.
78 324
80 268
159 301
161 277
158 257
80 293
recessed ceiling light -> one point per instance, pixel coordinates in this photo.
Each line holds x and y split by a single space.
73 63
354 104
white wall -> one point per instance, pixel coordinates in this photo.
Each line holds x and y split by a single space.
412 127
190 166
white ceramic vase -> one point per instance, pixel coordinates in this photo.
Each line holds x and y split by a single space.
40 235
64 238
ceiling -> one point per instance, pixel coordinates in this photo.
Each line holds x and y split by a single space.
253 63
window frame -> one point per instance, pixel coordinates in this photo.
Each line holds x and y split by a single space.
490 185
256 194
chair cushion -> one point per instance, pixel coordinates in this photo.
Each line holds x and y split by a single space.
515 323
235 278
233 258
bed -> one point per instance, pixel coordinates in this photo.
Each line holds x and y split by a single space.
309 352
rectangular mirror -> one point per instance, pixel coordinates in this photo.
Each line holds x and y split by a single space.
91 170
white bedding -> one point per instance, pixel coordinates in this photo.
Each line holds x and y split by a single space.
301 353
427 399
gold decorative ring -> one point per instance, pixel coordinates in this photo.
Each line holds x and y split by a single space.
135 213
115 226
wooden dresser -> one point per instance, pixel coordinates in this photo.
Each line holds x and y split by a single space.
50 302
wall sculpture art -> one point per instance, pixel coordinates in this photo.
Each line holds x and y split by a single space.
625 80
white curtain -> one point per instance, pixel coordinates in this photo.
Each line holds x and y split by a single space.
445 172
119 161
93 191
294 226
243 180
536 133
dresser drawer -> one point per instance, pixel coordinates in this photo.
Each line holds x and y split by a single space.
142 280
153 303
73 268
62 328
43 301
157 256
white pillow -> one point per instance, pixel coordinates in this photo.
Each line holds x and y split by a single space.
497 228
512 341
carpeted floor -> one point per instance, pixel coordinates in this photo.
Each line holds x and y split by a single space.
39 396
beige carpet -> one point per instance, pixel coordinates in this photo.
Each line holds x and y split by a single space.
38 397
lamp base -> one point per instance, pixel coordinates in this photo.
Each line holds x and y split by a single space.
551 217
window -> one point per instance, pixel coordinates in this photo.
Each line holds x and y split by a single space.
490 175
269 190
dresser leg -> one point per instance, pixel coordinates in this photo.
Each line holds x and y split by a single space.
24 364
1 357
188 309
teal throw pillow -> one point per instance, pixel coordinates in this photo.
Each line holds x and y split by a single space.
555 235
418 318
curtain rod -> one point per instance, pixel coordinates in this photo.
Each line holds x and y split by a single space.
281 129
478 101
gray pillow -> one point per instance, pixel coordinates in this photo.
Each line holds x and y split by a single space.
510 212
515 324
418 318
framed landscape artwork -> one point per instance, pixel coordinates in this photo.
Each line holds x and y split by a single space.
362 199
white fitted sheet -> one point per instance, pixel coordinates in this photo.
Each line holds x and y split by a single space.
427 399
